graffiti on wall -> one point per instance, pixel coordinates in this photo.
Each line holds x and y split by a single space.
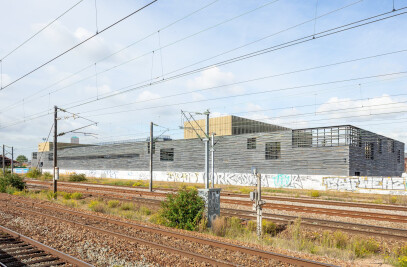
356 183
187 177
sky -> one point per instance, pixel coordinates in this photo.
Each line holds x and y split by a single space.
176 55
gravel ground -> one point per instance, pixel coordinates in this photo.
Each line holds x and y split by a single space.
99 249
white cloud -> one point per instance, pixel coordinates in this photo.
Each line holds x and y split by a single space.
6 79
147 95
215 77
382 107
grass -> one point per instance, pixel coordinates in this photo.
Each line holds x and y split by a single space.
338 244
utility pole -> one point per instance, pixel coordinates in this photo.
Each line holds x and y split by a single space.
213 159
55 150
150 187
207 150
12 160
4 162
258 203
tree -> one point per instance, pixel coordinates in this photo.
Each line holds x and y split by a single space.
21 158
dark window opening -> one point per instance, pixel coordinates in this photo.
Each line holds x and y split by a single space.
357 173
34 155
167 154
273 150
148 147
51 156
399 156
251 143
111 156
380 145
369 150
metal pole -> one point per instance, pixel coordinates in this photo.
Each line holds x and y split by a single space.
55 149
259 206
213 159
207 152
4 162
12 159
151 157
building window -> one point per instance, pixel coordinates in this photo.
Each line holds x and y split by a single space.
51 156
148 147
357 173
380 145
251 143
273 150
167 154
369 153
399 156
34 155
391 146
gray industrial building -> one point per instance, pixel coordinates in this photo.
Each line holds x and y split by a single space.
338 150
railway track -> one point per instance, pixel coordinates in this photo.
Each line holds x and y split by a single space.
20 250
355 228
37 209
272 206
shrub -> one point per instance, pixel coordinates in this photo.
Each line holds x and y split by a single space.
183 210
315 193
402 260
127 206
157 218
145 211
70 203
77 177
47 176
269 227
393 199
97 206
113 203
251 226
363 248
140 183
76 195
67 195
341 239
11 180
219 226
33 173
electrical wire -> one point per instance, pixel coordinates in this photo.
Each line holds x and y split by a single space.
38 32
77 45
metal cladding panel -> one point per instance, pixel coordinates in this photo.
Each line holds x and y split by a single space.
235 154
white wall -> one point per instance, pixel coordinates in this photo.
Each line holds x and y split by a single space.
377 185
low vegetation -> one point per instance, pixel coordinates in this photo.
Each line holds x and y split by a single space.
33 173
77 177
183 210
11 182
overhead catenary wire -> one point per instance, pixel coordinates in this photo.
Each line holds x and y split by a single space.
77 45
35 116
109 56
177 41
41 30
246 56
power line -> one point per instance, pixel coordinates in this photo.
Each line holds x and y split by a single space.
106 57
42 29
175 42
261 78
77 45
249 55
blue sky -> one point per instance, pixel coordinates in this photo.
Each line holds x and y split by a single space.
377 104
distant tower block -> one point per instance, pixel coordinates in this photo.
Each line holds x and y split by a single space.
74 140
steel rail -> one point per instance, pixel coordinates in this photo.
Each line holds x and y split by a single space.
213 243
184 253
236 195
67 258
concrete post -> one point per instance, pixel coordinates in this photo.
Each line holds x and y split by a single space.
211 196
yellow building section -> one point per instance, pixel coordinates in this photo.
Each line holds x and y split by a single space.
228 125
49 146
220 125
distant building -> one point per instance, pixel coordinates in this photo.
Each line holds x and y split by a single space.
343 150
74 140
228 125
